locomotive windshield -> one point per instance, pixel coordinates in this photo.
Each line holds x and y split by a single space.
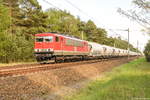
48 39
44 39
39 39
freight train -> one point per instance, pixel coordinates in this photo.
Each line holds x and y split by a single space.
54 46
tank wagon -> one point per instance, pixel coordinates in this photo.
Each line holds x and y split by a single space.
50 46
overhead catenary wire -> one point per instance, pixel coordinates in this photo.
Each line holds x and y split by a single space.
81 11
76 7
52 4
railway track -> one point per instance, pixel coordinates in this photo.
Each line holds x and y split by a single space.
31 68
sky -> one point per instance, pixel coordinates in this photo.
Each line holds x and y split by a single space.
104 14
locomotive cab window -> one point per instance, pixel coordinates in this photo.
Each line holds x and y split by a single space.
39 39
48 39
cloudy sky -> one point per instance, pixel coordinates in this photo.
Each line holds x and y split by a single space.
104 14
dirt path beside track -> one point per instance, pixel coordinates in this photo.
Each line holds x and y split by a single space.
53 84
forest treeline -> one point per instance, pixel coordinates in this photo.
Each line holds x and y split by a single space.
20 20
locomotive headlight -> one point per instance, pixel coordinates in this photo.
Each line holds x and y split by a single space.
35 50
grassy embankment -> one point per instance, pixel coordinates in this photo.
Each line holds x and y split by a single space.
128 82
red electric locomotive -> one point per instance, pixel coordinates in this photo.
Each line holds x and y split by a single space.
50 46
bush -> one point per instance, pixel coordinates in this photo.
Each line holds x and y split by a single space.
147 51
15 48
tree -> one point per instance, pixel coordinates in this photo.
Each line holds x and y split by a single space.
26 15
26 18
13 47
63 22
14 13
90 29
4 18
147 51
82 29
100 35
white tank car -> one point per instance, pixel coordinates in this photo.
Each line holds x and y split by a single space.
121 52
115 52
124 52
96 49
107 51
100 50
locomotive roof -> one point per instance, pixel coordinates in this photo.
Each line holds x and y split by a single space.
57 34
70 37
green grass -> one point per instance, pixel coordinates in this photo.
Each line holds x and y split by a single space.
127 82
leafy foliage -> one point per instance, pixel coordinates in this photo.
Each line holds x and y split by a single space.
26 19
15 47
4 18
147 51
